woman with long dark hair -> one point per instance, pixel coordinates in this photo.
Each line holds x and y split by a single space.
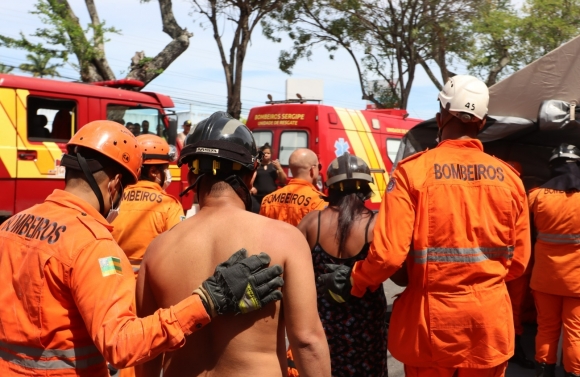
341 234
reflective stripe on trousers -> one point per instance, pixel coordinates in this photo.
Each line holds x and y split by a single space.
559 238
30 357
462 255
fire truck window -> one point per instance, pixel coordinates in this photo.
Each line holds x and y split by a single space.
262 137
392 148
139 120
376 124
49 119
289 142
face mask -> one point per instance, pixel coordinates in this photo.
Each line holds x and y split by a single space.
167 179
114 212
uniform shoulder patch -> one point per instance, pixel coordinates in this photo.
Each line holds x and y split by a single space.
392 184
99 231
110 266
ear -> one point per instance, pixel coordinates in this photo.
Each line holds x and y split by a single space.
153 173
483 123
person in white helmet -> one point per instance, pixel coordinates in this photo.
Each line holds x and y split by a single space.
458 218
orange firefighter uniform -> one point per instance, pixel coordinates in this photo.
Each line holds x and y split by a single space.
555 282
145 212
292 202
459 218
67 296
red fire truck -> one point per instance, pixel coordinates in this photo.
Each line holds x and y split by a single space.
374 135
39 116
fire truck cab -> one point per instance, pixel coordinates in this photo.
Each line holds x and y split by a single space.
373 135
39 116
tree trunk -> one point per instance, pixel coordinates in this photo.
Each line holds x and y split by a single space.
100 60
496 69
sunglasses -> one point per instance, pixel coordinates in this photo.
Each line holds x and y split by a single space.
319 166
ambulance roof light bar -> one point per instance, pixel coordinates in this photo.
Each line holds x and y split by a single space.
291 100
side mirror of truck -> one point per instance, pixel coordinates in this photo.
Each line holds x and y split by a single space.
172 131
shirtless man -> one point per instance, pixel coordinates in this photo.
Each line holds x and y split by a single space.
221 157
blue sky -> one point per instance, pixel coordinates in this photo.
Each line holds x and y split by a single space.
197 75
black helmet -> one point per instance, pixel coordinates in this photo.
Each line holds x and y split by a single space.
348 168
221 145
567 151
223 137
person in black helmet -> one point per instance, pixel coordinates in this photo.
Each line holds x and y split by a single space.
555 208
340 235
222 158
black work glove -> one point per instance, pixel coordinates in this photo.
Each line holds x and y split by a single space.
241 284
336 283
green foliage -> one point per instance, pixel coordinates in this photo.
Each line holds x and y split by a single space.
547 24
503 39
5 68
492 51
144 61
39 65
63 36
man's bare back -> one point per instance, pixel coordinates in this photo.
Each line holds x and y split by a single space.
246 345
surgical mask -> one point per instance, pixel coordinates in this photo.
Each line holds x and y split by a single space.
167 179
114 212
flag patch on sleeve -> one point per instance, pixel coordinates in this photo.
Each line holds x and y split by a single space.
110 266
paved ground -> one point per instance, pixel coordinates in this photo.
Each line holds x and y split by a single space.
513 370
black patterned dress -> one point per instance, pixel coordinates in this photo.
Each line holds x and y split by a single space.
356 330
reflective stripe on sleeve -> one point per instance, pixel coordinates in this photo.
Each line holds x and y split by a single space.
462 255
36 358
559 238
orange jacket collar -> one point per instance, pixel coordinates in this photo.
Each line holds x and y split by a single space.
463 143
69 200
302 182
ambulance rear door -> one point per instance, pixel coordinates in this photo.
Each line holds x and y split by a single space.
353 133
45 122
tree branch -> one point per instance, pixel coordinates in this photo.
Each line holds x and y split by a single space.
147 70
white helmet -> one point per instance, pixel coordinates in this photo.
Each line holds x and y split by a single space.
465 94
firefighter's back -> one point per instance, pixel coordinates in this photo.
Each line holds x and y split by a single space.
470 212
248 345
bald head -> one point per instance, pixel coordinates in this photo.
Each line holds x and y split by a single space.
304 164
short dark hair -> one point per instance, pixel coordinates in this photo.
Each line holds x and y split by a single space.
265 146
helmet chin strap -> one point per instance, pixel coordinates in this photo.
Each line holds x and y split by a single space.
235 182
238 185
92 182
192 186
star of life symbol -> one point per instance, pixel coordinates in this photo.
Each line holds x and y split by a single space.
341 147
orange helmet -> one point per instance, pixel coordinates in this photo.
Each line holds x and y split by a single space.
155 150
112 140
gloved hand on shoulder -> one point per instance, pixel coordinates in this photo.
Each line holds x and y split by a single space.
241 284
336 283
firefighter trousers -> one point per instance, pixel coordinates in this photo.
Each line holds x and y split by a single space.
497 371
554 313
